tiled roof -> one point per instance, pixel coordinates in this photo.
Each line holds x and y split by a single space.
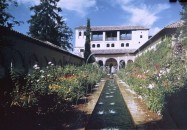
8 31
113 51
175 25
161 33
115 28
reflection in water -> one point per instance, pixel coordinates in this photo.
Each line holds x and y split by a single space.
100 103
109 96
100 112
112 111
113 114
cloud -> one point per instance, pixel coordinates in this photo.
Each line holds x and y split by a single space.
154 30
79 6
28 2
142 14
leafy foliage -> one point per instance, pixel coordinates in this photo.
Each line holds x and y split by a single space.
62 86
47 25
156 74
6 19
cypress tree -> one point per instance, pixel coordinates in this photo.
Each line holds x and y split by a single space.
87 51
46 24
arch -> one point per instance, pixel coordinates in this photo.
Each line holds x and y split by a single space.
54 61
2 68
100 62
33 61
122 64
60 63
129 61
17 62
46 61
109 63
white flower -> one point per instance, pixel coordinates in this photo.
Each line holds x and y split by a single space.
42 71
101 112
48 75
112 111
35 66
49 62
52 64
37 80
151 86
42 76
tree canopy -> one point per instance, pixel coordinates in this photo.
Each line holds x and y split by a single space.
6 19
46 24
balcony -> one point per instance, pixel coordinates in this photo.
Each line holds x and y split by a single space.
125 35
111 39
111 36
97 36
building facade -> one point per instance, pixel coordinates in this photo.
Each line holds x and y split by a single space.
112 45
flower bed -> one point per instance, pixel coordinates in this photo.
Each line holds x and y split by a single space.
156 75
62 87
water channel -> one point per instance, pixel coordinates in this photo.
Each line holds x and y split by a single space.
110 111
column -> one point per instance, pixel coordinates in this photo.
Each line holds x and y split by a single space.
118 35
118 61
104 36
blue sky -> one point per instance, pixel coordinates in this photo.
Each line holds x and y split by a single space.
153 14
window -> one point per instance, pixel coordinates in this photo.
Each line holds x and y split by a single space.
111 36
81 50
93 45
97 36
98 45
122 44
126 35
112 45
80 33
141 36
84 33
107 45
127 44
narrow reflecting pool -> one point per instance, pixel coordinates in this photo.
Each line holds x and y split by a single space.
110 111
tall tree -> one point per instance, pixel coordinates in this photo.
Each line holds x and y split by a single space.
47 25
87 51
6 19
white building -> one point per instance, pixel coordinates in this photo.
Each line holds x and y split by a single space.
112 45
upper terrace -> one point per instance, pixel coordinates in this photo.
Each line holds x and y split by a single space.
111 33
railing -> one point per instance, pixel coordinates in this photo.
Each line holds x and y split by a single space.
111 38
125 38
97 39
